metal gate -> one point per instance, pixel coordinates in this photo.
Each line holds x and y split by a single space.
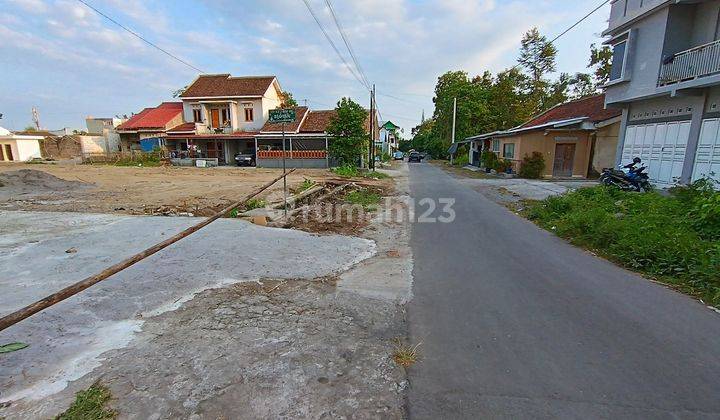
707 157
662 148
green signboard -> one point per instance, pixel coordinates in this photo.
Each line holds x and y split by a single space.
282 116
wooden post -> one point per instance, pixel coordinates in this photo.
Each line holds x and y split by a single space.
78 287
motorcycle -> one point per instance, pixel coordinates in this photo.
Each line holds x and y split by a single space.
635 179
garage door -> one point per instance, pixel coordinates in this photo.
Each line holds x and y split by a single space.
707 157
661 147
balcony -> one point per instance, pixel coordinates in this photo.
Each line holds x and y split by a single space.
697 62
201 128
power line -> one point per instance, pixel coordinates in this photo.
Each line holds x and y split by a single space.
332 44
140 37
572 26
348 45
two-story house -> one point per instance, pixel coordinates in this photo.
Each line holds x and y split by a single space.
665 77
388 140
223 114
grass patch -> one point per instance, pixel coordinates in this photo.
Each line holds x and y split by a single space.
353 172
376 175
306 185
347 171
255 203
404 354
674 239
90 404
366 198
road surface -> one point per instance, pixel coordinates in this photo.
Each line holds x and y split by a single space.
516 323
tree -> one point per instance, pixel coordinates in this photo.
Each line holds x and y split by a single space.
287 100
350 139
30 128
582 85
601 62
537 57
177 93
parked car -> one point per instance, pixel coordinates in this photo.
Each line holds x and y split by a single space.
414 157
398 155
245 159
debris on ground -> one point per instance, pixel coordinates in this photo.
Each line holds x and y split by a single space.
90 404
10 347
31 182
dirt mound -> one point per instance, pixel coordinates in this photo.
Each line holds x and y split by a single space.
32 182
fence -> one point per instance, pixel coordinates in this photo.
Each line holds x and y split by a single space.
702 60
295 154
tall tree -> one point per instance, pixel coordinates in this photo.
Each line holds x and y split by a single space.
600 62
350 139
537 57
582 85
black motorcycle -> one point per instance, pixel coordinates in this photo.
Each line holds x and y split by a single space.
635 179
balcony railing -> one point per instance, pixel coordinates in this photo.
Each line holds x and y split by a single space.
201 128
701 61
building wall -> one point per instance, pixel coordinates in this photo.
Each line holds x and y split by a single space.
606 140
22 150
538 141
66 147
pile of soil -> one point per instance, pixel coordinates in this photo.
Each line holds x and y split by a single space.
32 182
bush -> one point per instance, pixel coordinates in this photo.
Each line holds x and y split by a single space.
489 160
661 236
366 198
254 203
462 159
532 166
346 171
140 159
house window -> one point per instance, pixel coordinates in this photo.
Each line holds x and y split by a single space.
225 116
197 114
509 150
249 114
496 146
617 70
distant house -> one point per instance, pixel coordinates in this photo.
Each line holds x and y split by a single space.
149 127
223 113
19 147
577 139
388 140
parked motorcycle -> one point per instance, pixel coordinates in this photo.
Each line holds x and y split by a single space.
635 179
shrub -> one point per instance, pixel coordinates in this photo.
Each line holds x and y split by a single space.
651 233
254 203
306 185
532 166
346 171
366 198
376 175
462 159
489 160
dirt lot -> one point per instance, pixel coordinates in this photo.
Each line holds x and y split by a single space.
134 190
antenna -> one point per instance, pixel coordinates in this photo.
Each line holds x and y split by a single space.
36 118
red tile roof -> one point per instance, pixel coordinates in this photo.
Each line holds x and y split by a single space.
300 112
223 85
153 117
592 107
317 121
183 128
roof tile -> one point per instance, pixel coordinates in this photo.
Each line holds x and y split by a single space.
592 107
153 117
223 85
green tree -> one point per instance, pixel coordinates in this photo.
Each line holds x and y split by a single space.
600 62
537 57
177 93
287 100
582 86
509 106
350 139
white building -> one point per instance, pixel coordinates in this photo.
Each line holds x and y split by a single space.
18 148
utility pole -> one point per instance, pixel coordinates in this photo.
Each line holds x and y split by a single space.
452 155
36 118
371 157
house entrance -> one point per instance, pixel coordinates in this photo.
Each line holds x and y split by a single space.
564 159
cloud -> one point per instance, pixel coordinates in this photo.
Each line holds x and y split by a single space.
31 6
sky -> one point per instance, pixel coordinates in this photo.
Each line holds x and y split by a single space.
67 61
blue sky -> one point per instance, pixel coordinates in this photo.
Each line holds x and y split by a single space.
67 61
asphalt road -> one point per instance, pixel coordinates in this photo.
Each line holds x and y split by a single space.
516 323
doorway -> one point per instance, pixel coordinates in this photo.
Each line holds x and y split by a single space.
564 159
215 117
6 153
215 150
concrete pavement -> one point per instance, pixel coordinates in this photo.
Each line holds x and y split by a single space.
516 323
